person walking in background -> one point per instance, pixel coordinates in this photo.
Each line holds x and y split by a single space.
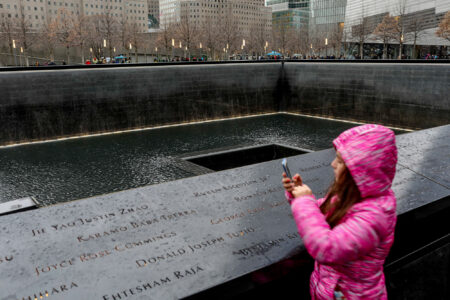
349 232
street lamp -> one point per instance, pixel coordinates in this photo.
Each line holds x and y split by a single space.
173 47
104 43
20 56
326 47
14 52
129 53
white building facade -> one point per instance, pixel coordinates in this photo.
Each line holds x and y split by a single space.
169 12
38 12
428 13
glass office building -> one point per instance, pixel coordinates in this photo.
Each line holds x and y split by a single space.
289 13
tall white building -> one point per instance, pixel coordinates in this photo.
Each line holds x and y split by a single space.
37 12
290 13
169 12
428 13
327 14
247 14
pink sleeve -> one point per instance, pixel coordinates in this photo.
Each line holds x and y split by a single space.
289 196
356 236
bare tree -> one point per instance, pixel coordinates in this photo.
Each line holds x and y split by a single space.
229 34
79 33
7 30
108 28
415 32
209 37
187 32
124 33
361 31
335 36
314 39
258 39
281 36
136 39
164 39
386 31
94 37
444 27
400 26
49 37
24 32
65 27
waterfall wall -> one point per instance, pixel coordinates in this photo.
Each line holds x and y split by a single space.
50 103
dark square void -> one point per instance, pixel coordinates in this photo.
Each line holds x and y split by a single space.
224 160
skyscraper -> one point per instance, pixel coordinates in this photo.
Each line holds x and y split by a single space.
289 13
153 14
327 15
245 14
169 12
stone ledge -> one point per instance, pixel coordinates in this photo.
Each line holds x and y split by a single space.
183 237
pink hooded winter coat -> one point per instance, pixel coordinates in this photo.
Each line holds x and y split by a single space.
352 254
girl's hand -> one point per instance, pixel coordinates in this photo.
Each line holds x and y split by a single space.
289 184
300 191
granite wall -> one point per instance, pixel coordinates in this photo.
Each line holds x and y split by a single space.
50 103
401 95
45 104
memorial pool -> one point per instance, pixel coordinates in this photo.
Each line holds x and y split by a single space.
67 170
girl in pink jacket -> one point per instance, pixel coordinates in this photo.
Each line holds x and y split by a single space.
349 232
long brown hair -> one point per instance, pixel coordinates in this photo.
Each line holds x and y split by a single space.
347 194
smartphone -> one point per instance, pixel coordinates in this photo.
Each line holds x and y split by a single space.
286 168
